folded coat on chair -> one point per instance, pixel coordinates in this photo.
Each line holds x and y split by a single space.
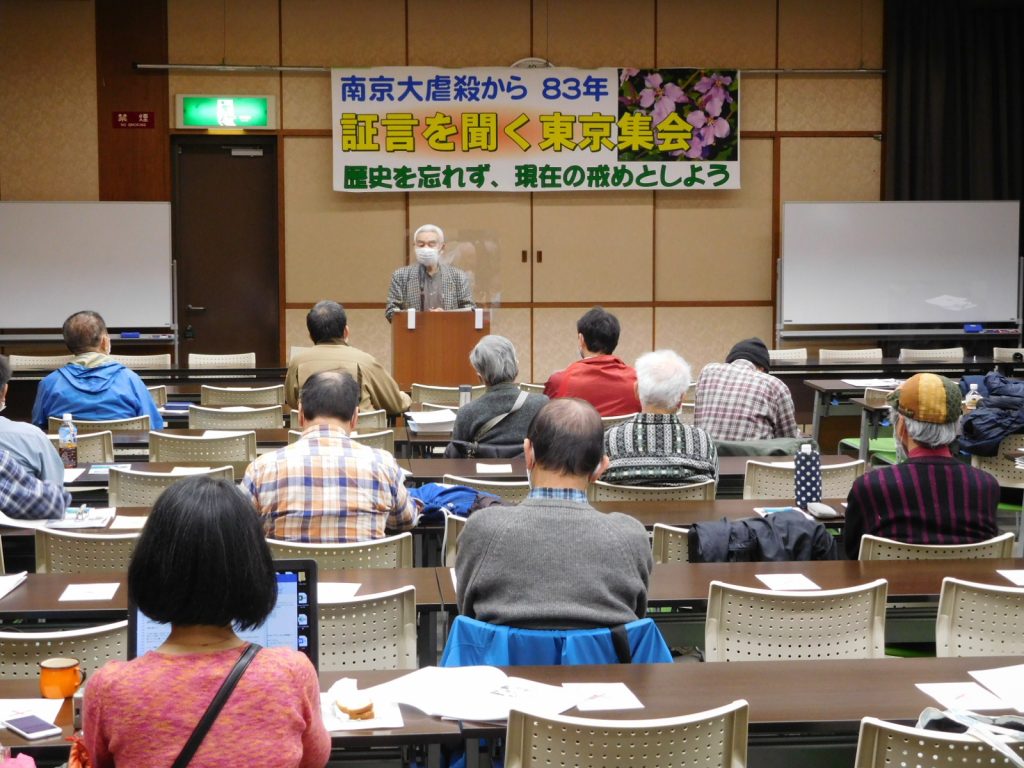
781 536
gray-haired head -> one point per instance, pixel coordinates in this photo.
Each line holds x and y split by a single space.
662 379
926 433
494 358
429 228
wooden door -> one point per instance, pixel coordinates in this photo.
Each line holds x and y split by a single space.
226 245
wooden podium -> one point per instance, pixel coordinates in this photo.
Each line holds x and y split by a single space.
437 350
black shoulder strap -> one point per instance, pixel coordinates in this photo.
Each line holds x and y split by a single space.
620 641
219 700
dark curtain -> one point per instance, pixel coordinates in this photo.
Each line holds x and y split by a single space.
954 126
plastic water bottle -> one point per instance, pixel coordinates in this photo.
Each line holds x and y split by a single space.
465 394
973 398
807 478
67 442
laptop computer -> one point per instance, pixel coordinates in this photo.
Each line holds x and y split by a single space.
292 623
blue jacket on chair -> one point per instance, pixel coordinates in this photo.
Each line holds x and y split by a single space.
472 642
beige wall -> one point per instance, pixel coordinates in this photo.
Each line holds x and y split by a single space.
48 140
689 270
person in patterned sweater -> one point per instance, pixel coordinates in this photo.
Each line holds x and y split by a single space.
654 447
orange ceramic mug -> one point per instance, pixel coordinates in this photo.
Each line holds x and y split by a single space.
59 678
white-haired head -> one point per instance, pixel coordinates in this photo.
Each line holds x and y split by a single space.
429 228
662 379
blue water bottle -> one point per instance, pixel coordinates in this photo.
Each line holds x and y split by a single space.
807 478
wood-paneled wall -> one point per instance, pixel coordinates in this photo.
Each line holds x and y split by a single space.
692 271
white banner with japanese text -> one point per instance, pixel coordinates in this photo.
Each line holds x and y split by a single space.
492 129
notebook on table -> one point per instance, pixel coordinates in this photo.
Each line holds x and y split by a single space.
291 624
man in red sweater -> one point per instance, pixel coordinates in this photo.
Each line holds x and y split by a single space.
600 378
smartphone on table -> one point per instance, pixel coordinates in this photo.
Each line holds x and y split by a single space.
32 727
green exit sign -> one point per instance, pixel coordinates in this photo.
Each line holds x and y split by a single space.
226 112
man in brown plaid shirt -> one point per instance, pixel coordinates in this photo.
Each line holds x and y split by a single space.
739 400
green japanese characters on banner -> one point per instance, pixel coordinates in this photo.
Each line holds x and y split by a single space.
534 130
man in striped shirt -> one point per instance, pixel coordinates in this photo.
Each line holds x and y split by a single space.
931 498
327 488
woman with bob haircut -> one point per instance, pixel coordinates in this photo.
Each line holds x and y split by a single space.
202 565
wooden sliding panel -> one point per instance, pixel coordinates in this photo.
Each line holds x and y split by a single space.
468 33
596 33
48 137
334 33
717 246
837 34
593 246
341 246
228 32
706 334
554 337
830 168
516 326
488 236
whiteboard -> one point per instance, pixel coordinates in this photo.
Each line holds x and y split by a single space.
899 262
61 257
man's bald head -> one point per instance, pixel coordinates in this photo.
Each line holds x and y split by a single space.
84 332
567 436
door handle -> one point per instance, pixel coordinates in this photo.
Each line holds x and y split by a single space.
195 309
540 257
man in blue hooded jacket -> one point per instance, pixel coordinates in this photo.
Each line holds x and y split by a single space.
92 386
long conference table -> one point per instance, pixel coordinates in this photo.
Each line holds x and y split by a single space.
802 713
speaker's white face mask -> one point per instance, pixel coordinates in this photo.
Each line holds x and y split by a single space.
427 257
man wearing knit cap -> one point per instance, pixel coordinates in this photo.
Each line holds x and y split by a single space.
555 562
739 400
929 498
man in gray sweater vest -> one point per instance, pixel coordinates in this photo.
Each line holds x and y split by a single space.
554 562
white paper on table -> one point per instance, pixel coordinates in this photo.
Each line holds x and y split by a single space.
1015 576
471 693
89 592
493 469
47 709
880 383
335 591
189 470
1005 682
103 470
410 319
84 517
478 319
10 581
385 715
594 697
224 432
432 417
72 473
127 523
792 582
962 696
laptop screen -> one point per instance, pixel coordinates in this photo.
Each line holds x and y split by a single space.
291 624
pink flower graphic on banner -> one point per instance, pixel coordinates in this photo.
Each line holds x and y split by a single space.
715 86
627 73
681 115
663 96
709 127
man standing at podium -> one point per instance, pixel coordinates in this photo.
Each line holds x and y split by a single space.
428 285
